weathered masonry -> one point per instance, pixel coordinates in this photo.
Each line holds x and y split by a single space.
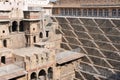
93 26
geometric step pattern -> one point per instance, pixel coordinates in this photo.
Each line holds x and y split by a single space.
99 40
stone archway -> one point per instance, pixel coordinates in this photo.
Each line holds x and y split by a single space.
14 26
50 73
42 75
33 76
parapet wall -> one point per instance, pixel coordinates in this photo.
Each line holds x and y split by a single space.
78 3
99 40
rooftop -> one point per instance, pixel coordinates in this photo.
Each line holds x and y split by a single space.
29 51
32 19
67 56
10 71
5 50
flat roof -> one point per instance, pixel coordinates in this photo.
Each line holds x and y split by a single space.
32 19
11 71
31 11
4 20
67 56
29 51
5 50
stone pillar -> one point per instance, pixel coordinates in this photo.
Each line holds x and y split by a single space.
116 12
81 12
47 76
28 40
31 40
97 12
10 26
56 73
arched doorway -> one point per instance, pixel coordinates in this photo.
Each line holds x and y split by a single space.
21 27
5 43
41 35
42 75
50 73
33 76
3 59
14 26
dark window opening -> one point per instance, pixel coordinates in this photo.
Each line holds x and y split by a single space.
66 11
85 12
28 29
100 12
3 59
79 12
3 31
21 27
14 26
26 39
36 57
106 12
9 29
89 12
42 75
50 73
114 12
41 35
34 39
5 43
95 12
42 59
118 12
62 11
6 1
47 33
70 12
33 29
74 12
54 11
33 76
